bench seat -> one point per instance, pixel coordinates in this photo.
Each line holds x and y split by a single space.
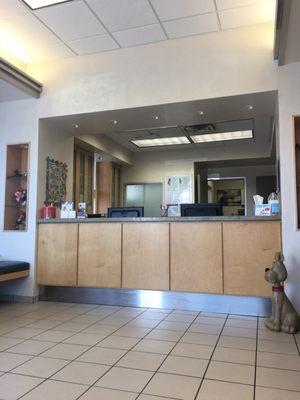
13 270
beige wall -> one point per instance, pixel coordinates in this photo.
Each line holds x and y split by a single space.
213 65
59 146
289 105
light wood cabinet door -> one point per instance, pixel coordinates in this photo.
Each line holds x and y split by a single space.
196 257
57 254
146 255
249 248
99 255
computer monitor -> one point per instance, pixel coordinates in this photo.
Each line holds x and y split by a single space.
201 210
125 212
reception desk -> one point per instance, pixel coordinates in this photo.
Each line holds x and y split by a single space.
221 255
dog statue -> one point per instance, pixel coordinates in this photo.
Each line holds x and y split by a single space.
284 316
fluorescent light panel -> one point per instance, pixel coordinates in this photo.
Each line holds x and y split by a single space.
35 4
167 141
217 137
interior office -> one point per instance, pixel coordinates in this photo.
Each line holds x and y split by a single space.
100 102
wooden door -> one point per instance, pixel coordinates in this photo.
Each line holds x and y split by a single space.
196 257
99 255
57 254
249 248
145 255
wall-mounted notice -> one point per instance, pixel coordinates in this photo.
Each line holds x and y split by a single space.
178 190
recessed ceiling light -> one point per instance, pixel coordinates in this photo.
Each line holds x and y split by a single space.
168 141
217 137
250 107
35 4
75 126
155 117
114 121
200 112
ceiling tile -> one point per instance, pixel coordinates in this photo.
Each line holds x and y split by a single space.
118 15
51 52
11 8
172 9
26 28
93 44
248 15
73 20
192 25
138 36
225 4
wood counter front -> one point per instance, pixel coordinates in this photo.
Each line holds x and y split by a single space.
198 256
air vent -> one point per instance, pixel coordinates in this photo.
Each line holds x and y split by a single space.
199 129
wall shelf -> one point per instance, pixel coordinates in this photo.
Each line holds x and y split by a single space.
15 209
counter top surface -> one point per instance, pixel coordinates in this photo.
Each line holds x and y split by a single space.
158 219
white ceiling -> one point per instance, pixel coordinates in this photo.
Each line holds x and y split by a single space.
79 27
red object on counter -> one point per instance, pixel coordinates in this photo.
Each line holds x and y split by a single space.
48 211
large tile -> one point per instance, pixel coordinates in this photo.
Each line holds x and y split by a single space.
140 360
31 347
237 356
86 319
50 390
205 328
13 386
214 315
229 372
199 338
143 323
262 393
72 326
192 350
239 332
53 336
277 347
242 323
98 393
150 397
131 380
209 320
100 329
174 326
40 367
184 366
44 324
163 334
80 372
6 343
180 317
65 351
24 333
8 361
237 343
174 386
119 342
278 378
217 390
132 332
87 339
154 346
277 336
276 360
101 355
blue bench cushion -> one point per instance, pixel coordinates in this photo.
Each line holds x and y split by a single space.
7 267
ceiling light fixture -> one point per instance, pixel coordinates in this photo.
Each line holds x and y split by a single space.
35 4
114 121
167 141
13 49
218 137
250 107
155 116
200 112
75 126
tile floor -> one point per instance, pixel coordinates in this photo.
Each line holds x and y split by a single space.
69 351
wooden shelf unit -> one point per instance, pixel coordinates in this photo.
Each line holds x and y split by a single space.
16 160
